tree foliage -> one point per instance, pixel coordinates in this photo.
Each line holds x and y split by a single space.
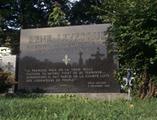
23 14
135 34
82 12
57 17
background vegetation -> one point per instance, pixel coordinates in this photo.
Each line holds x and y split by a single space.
134 31
6 81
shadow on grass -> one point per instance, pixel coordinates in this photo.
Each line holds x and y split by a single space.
23 95
36 93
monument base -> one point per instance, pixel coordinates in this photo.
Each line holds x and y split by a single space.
95 96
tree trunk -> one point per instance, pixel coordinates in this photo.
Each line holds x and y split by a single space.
145 86
151 90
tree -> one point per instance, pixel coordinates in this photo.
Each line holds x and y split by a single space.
57 17
23 14
134 31
82 12
5 12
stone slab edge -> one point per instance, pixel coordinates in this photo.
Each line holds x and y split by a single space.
96 96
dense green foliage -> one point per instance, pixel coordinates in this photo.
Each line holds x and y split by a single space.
134 32
75 108
83 12
57 17
22 14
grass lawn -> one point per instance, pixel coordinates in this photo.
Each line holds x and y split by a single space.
75 108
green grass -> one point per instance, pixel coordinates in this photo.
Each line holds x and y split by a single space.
75 108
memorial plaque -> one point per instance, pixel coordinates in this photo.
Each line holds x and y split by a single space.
67 60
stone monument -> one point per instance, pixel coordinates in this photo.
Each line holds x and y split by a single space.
73 59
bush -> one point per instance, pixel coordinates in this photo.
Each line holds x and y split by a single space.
6 81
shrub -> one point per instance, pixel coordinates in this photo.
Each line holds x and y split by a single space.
6 80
